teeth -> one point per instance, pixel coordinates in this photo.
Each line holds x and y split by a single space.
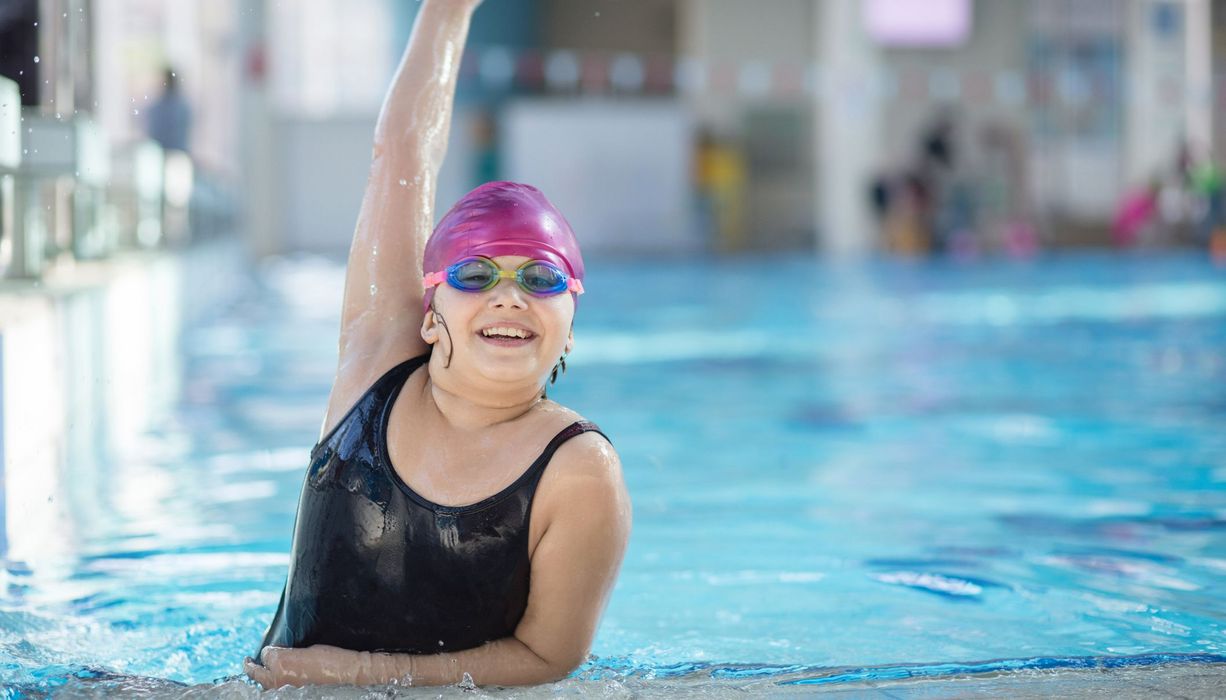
504 332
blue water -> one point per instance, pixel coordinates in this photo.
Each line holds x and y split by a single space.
839 472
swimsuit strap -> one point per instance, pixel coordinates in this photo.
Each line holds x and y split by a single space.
406 367
575 429
395 377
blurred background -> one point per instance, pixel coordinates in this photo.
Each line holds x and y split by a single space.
956 126
1029 189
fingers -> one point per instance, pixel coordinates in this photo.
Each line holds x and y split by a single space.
280 666
273 669
258 673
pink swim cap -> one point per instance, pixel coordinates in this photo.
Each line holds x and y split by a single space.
503 218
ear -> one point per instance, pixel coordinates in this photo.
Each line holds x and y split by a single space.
429 327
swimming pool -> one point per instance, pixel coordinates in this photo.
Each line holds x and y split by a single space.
840 472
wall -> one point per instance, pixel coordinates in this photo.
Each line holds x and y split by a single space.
619 170
642 26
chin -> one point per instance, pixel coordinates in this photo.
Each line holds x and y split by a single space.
512 371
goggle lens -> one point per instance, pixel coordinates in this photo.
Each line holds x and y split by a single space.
472 275
542 278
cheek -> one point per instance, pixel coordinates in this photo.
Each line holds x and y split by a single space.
560 315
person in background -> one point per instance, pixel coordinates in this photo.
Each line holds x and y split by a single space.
455 524
719 180
169 119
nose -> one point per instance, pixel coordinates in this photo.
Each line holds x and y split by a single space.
507 294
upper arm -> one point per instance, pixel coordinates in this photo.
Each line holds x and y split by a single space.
383 293
381 313
575 564
382 309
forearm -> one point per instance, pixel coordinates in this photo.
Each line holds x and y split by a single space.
416 114
397 212
504 662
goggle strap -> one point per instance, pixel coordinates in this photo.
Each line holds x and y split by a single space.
433 279
574 285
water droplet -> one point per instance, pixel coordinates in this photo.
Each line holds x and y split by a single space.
373 289
136 111
440 642
597 14
36 59
417 178
403 182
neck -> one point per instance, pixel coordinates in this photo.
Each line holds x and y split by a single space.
466 407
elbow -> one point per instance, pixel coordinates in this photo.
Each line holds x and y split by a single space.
557 667
568 665
556 671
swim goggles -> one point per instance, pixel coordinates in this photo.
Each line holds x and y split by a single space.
477 274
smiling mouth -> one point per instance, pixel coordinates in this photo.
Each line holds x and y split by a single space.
506 333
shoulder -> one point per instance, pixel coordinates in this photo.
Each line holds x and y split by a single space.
589 453
584 478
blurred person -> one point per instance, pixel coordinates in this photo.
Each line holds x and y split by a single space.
1210 187
485 145
949 210
906 212
169 119
1004 198
920 208
426 550
1206 181
719 177
1135 215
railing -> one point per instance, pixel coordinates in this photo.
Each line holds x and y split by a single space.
10 161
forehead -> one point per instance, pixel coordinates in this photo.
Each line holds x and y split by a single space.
510 262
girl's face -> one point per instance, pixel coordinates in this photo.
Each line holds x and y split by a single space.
502 335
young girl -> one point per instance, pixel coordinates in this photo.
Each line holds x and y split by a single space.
453 521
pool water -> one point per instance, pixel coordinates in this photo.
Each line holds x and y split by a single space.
839 472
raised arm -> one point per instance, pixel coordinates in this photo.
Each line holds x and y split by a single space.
381 315
583 503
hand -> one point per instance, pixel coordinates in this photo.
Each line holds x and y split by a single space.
319 664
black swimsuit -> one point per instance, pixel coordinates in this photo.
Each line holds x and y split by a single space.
377 567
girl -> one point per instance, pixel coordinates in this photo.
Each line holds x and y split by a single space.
454 521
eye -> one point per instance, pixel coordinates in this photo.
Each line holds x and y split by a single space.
543 278
474 274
